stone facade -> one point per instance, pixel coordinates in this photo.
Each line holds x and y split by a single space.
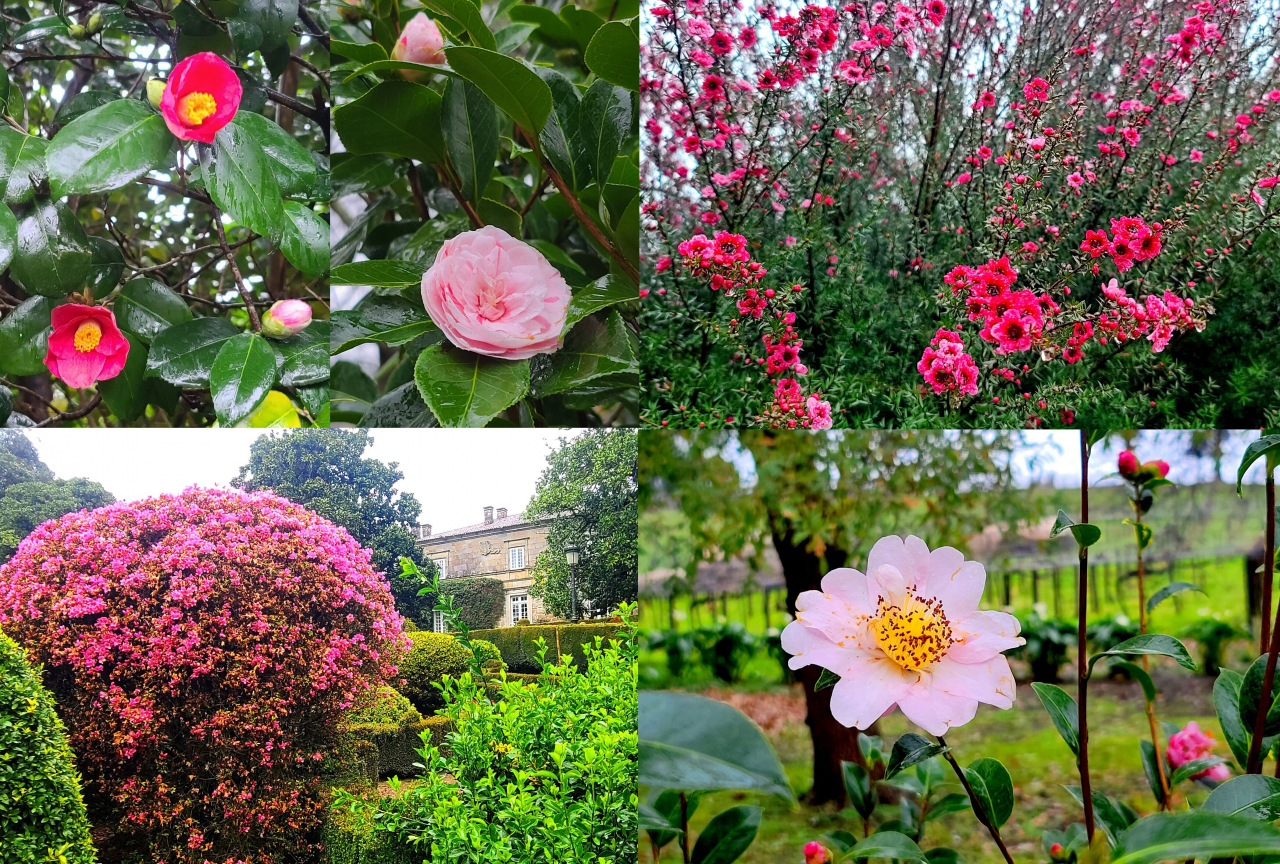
501 547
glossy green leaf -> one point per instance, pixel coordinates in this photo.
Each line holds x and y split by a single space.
662 818
562 262
106 266
39 28
1062 523
246 36
24 336
690 742
1108 818
392 320
886 844
290 162
604 123
466 390
510 82
470 125
275 18
1063 711
562 140
911 749
1168 591
468 15
1137 673
1149 643
611 55
1142 533
1253 796
1251 695
593 350
183 355
1187 770
346 408
355 174
21 164
243 372
602 293
1086 535
243 183
1198 834
361 52
499 215
727 835
145 307
1149 767
107 148
401 407
8 236
82 103
626 235
305 241
551 27
583 23
125 394
1226 703
53 256
382 273
512 37
953 802
858 788
277 411
1267 446
342 251
306 356
397 117
998 785
350 378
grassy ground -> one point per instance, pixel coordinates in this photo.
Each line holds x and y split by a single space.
1022 738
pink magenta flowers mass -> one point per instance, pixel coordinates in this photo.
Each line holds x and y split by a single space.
908 633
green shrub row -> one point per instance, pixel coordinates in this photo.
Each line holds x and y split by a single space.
520 649
350 838
433 656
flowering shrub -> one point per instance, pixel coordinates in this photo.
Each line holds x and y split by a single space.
202 648
493 161
163 182
1041 226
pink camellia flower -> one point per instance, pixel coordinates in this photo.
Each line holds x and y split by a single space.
1156 468
85 345
200 97
1127 463
819 411
286 318
909 633
816 853
494 294
1190 743
420 42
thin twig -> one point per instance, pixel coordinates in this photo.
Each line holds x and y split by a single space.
194 194
1269 674
235 271
82 411
1082 659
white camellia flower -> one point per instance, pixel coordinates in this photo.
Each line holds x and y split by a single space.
908 633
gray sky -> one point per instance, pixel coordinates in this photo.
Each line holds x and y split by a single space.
454 473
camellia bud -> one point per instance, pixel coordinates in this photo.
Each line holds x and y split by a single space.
95 23
1058 853
286 318
816 853
1127 464
419 42
155 91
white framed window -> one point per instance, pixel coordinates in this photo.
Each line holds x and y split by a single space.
515 558
442 565
437 621
519 607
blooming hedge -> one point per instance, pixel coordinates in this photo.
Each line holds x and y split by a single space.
202 648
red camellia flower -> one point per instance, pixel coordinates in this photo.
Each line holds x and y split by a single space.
85 345
201 97
1127 463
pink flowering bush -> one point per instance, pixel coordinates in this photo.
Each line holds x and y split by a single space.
201 648
1072 192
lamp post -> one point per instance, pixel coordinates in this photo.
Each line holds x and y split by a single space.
571 555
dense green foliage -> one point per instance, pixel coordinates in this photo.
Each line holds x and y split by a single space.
432 657
546 773
480 600
590 486
42 816
30 494
520 645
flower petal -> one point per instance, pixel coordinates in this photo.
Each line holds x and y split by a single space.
982 635
863 696
956 582
809 647
939 711
910 556
839 622
80 370
849 585
990 682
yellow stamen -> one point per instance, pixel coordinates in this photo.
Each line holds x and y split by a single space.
195 108
915 635
88 335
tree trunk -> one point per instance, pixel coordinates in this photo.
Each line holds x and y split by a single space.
832 742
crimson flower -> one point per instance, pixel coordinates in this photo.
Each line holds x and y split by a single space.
85 345
201 96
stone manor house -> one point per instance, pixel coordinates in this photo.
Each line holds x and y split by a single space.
502 547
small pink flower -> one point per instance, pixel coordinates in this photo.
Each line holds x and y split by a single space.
494 294
85 345
1127 463
286 318
1036 90
816 853
909 633
1190 743
420 42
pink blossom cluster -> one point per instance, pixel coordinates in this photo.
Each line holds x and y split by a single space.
1197 36
207 643
1158 318
1131 240
724 261
1012 320
792 408
947 367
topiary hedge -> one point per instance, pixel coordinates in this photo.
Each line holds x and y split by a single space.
350 838
42 816
519 644
480 600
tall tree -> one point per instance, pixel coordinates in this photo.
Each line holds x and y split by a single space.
822 500
326 471
590 486
31 495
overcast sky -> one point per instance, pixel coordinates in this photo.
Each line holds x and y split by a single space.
454 473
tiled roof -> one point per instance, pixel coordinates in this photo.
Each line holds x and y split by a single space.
495 525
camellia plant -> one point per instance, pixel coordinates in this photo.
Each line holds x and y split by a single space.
942 213
489 188
163 244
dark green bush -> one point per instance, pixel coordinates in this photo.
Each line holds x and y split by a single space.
480 600
350 838
1046 648
42 816
725 649
519 645
432 656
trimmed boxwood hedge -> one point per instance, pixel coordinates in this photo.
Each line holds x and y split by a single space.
433 656
42 816
350 838
519 644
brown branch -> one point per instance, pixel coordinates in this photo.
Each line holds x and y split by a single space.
576 206
194 194
235 271
82 411
415 185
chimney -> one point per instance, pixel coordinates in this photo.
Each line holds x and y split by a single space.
424 531
488 515
502 512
